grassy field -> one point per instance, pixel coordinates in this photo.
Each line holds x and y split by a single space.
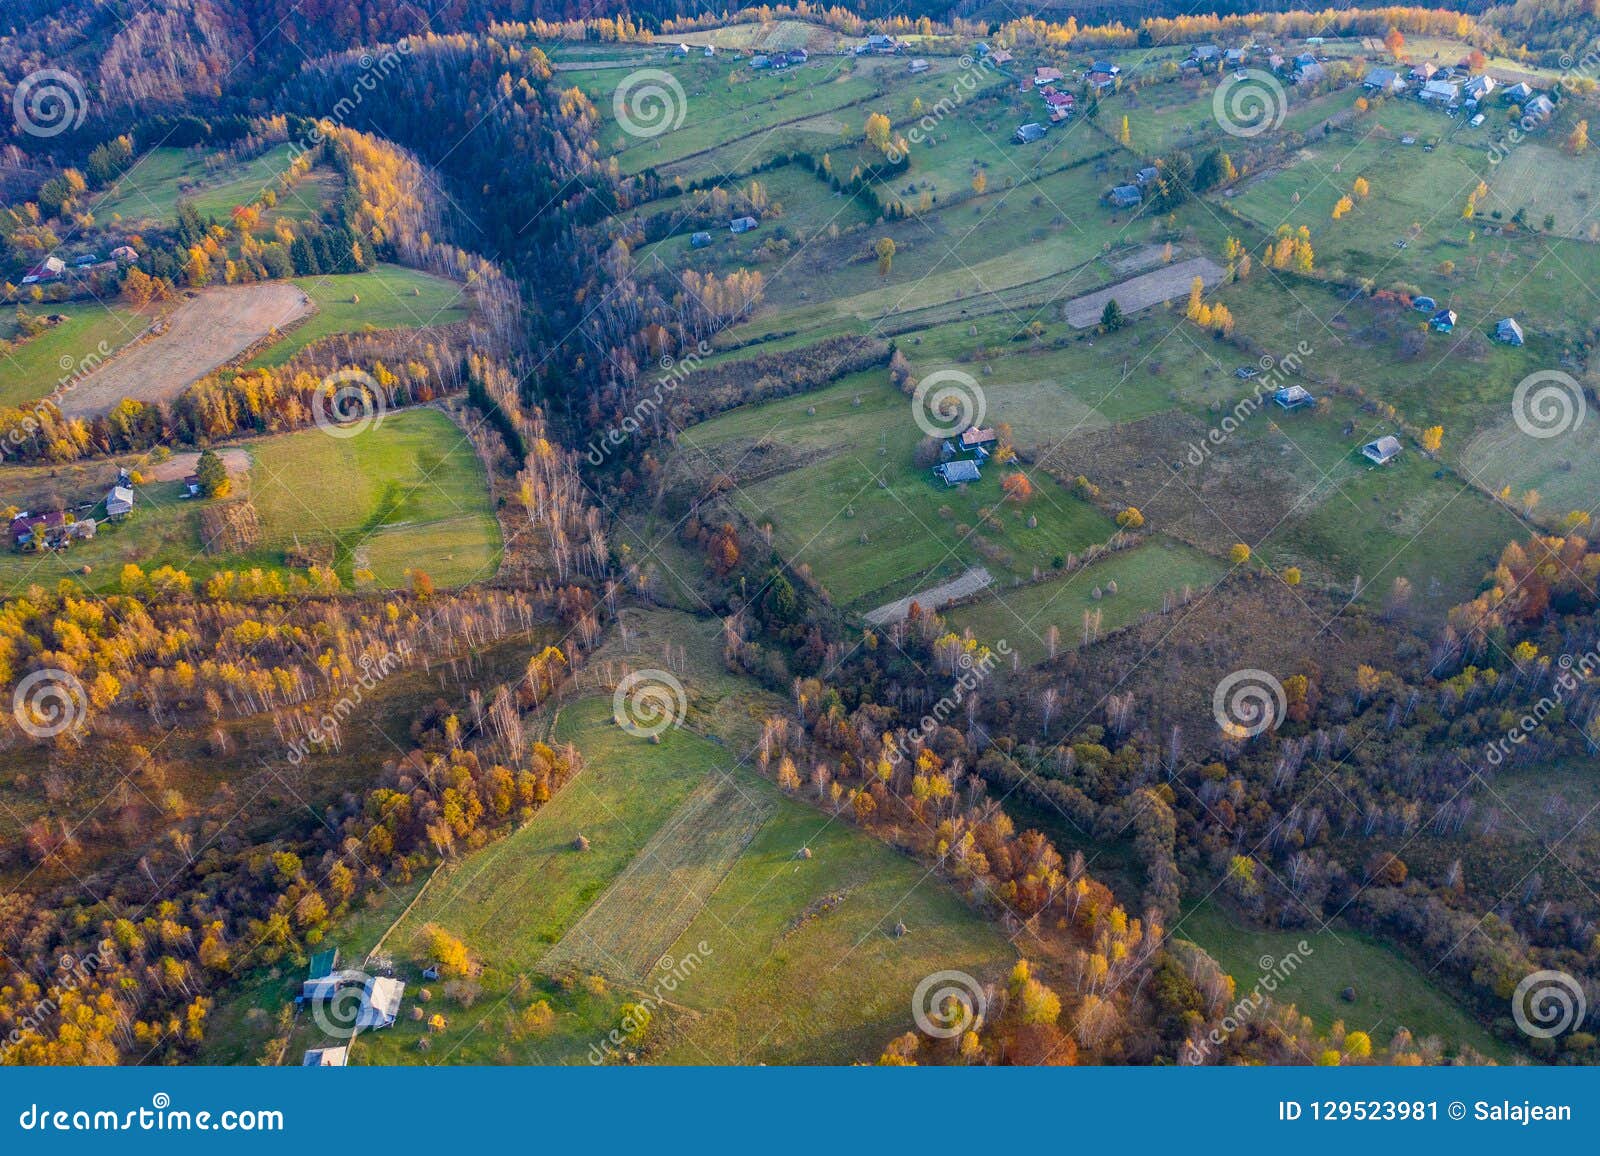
148 194
1145 577
851 504
407 493
91 333
781 959
391 297
1391 993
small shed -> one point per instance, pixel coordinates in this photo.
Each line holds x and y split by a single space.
956 473
1508 332
1383 451
699 240
1147 176
918 65
323 963
681 50
742 224
1424 304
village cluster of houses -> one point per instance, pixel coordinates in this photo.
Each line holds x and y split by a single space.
964 456
1455 89
55 530
57 268
1443 320
379 1006
779 61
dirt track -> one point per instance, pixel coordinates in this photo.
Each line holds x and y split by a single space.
960 586
1143 291
202 333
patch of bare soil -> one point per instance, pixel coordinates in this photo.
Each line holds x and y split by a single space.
180 466
974 580
1143 291
208 330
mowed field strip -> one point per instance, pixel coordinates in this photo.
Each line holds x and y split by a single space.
204 332
642 914
1143 291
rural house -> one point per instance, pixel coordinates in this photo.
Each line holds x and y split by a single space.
1439 92
1539 108
1423 72
1424 304
325 1057
1125 196
681 50
1383 80
760 61
380 1002
1233 57
975 436
1444 321
1508 331
1383 451
1001 57
45 270
119 502
957 473
1147 176
1479 87
699 240
1518 93
1029 133
1043 74
917 65
1292 397
742 224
